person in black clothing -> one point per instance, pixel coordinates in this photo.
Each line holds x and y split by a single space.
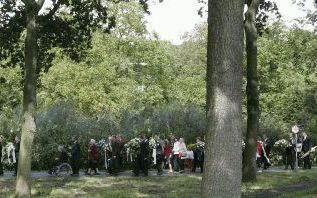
1 168
75 159
159 156
306 146
142 159
113 155
290 153
199 155
17 151
265 153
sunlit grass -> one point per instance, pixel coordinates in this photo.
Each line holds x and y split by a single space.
173 186
268 180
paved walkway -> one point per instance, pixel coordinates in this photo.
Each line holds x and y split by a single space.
128 173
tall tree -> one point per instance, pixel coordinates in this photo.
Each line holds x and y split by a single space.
249 166
223 163
254 25
23 185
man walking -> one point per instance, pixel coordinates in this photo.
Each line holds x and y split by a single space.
1 168
17 151
75 159
306 146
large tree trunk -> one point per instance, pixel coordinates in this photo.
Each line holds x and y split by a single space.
23 185
223 162
249 164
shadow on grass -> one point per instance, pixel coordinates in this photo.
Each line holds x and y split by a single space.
110 187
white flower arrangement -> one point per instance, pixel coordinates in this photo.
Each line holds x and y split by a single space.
153 143
282 143
133 146
200 145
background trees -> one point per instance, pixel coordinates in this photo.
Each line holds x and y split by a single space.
130 82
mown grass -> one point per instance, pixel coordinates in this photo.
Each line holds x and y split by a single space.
309 193
173 186
269 180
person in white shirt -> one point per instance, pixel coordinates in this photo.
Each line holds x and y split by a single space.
182 153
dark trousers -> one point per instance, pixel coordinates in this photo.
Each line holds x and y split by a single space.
198 163
75 166
307 163
290 160
93 164
16 166
159 164
181 163
1 168
114 166
140 164
175 163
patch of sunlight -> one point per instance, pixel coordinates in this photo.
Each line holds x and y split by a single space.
138 194
90 184
67 192
195 176
5 189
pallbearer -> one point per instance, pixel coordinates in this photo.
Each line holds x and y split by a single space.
199 155
142 159
115 158
75 159
306 147
1 168
17 151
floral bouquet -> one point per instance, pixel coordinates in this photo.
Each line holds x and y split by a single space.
153 143
200 146
280 144
133 146
278 150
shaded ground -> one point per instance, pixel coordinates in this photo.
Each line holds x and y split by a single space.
272 183
278 192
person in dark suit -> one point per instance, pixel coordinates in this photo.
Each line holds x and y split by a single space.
199 155
1 168
114 156
75 158
306 146
142 159
290 153
17 151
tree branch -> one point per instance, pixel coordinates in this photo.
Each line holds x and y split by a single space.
40 3
53 10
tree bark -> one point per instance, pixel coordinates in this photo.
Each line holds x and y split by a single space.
223 162
249 160
23 185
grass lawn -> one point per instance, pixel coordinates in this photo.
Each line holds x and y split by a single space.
174 186
310 193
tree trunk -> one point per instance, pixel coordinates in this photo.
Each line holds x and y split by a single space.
249 160
23 185
223 162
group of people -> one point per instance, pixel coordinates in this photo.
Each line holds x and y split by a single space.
171 154
12 152
163 153
302 147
